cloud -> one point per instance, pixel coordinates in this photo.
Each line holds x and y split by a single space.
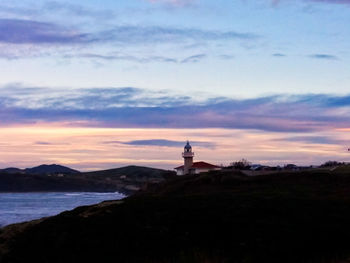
15 11
163 143
131 58
158 34
16 31
35 10
324 56
313 140
279 55
77 10
176 3
21 38
194 59
133 107
42 143
18 96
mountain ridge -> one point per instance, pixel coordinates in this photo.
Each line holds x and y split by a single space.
41 169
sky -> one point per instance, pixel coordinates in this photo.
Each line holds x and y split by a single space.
103 84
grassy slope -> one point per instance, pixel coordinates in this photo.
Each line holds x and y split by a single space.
131 173
218 217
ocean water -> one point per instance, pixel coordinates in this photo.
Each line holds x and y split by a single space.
20 207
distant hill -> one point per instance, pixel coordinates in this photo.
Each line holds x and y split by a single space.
54 177
41 169
50 169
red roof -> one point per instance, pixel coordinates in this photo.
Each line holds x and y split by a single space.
199 165
178 168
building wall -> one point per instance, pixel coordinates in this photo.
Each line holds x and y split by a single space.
179 172
195 171
188 163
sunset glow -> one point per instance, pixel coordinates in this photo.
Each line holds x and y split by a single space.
128 82
100 148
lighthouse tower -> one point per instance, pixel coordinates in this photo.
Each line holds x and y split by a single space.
188 158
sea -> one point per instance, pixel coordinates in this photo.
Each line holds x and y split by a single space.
20 207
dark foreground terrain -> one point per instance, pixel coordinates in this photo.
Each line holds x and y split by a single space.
216 217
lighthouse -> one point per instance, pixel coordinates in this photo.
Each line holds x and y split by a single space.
191 167
188 157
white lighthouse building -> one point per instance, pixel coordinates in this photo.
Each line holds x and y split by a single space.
191 167
188 158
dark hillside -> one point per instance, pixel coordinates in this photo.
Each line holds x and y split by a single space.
44 183
216 217
59 178
130 178
135 173
11 170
